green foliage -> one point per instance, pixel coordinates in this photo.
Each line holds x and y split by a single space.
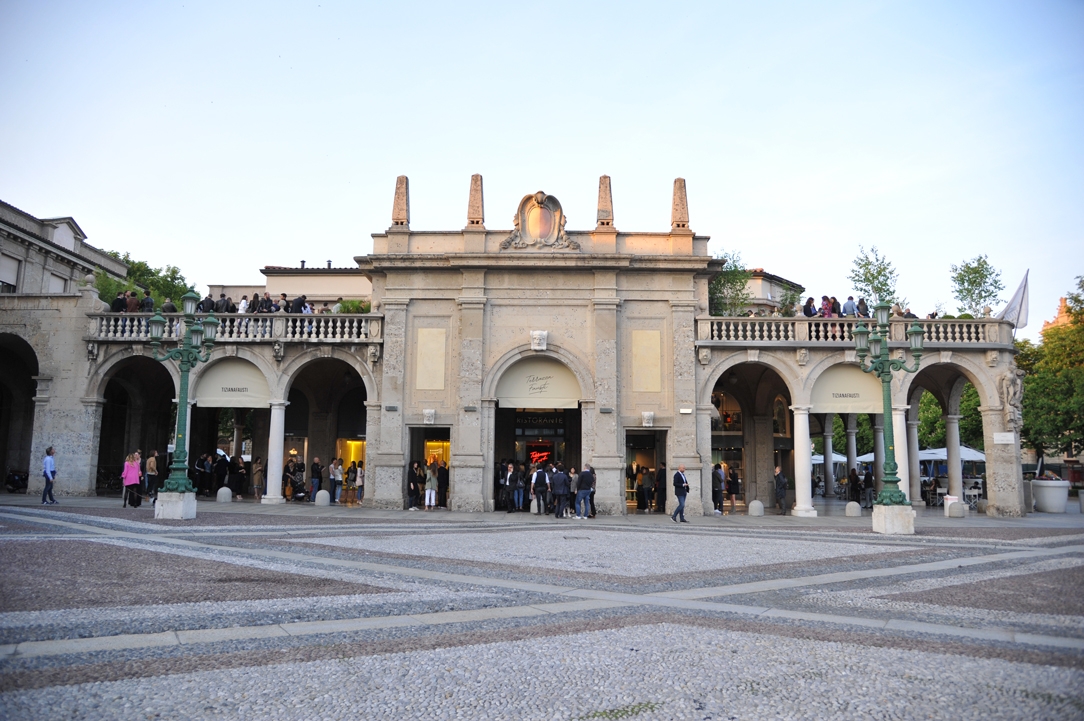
873 276
976 284
863 439
356 306
1054 389
948 317
931 425
728 293
966 316
1075 301
163 283
789 301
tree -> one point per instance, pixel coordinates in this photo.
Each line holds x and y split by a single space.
873 276
931 423
1054 386
728 293
163 283
976 284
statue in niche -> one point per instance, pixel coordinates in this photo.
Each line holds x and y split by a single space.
1011 387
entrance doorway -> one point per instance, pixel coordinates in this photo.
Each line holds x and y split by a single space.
644 451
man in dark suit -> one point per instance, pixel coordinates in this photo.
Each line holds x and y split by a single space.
120 303
561 484
509 480
681 489
317 472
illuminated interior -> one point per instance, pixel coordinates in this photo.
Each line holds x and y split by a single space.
350 450
440 449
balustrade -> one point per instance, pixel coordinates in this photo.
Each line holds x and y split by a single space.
840 331
253 328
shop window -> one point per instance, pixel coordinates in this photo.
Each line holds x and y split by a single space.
729 417
780 418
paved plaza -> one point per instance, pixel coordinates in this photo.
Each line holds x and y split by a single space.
299 612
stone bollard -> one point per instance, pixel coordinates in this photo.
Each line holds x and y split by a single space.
756 508
981 505
323 498
853 510
957 510
1081 499
225 495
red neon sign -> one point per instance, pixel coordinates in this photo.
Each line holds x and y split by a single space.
540 456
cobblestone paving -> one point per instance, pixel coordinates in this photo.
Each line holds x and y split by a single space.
307 613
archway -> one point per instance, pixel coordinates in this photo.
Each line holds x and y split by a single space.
138 414
18 367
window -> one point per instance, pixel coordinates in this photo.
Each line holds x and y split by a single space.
780 418
9 274
57 284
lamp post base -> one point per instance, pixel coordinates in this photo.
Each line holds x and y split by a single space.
175 506
894 520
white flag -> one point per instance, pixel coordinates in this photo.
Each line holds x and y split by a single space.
1016 312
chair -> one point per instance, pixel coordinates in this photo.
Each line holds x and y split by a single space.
941 493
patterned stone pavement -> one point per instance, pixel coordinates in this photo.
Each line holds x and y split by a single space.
297 612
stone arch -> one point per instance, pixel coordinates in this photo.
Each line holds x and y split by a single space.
18 370
575 364
786 371
973 372
107 367
246 354
289 372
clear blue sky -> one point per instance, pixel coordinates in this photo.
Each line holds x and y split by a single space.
221 137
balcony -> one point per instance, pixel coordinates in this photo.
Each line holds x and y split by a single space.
249 328
978 334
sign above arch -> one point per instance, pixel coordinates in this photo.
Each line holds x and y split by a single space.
232 383
540 382
846 389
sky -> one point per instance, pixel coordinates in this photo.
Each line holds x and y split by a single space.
224 136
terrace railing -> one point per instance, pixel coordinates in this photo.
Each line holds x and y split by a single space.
248 328
840 331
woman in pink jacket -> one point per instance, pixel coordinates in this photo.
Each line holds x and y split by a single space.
130 478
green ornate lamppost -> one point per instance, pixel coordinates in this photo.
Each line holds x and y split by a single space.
875 345
187 353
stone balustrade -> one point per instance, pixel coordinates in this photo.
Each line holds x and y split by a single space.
829 332
247 328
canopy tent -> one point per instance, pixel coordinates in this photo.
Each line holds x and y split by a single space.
967 455
818 459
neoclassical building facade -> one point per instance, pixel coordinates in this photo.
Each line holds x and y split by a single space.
535 343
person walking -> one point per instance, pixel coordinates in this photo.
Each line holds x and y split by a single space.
316 476
781 491
151 474
560 484
130 479
583 492
508 485
48 469
681 489
257 478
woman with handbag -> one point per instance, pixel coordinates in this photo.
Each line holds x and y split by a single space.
130 479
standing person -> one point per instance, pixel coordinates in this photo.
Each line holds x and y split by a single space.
147 304
717 484
649 488
733 487
809 309
442 485
540 486
361 481
130 479
152 476
48 469
849 308
660 487
863 309
168 307
222 304
335 479
413 485
221 470
868 486
316 475
560 485
583 492
257 478
681 489
238 476
132 303
352 477
431 485
781 491
338 307
508 485
119 304
836 310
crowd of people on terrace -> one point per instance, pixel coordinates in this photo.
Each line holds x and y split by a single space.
130 302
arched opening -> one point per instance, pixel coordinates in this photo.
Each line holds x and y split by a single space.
18 367
537 418
138 414
325 420
752 432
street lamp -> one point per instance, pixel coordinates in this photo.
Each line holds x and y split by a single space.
187 353
875 345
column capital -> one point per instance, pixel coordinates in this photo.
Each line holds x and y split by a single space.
950 418
903 407
913 424
279 404
804 410
852 431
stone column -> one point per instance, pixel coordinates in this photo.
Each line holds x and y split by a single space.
703 449
878 451
276 440
829 462
386 479
899 443
608 458
238 433
683 440
914 470
852 442
489 428
760 469
1004 477
952 449
803 464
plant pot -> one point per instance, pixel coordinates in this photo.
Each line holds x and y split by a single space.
1050 496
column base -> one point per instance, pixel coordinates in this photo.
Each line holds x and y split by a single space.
894 520
272 500
804 512
175 506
